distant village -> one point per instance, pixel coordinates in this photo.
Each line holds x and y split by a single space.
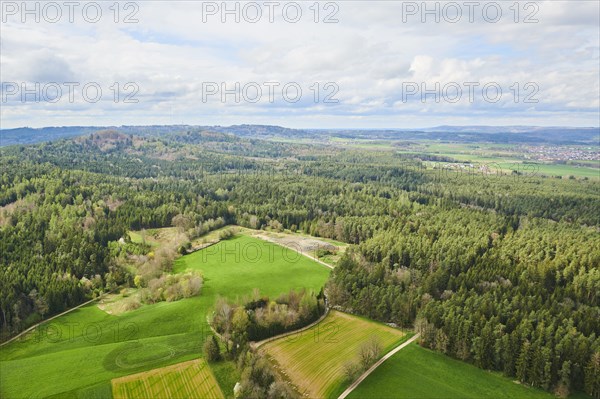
560 153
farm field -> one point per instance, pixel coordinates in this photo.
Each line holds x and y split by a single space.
182 380
314 359
419 373
93 347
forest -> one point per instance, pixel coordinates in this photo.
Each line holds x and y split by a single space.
502 271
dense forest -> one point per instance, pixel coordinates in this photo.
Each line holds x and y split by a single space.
499 270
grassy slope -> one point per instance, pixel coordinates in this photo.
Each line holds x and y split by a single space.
151 336
314 359
251 263
415 372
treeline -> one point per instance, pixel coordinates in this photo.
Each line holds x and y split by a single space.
255 319
54 243
516 296
265 318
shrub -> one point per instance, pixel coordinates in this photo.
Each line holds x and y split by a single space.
131 304
226 234
280 390
321 252
369 352
352 371
212 351
184 248
172 288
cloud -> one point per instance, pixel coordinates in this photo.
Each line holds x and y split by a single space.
370 55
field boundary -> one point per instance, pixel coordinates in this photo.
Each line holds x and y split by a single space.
256 344
55 316
377 364
201 247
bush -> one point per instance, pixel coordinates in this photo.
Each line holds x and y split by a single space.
321 252
352 371
184 248
172 288
258 379
280 390
226 234
212 351
131 304
369 352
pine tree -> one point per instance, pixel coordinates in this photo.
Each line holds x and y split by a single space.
592 376
523 362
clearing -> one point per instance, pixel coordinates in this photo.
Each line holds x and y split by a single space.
323 249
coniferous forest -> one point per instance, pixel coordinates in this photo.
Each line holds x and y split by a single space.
499 270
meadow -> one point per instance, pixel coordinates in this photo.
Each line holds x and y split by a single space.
314 359
93 347
419 373
182 380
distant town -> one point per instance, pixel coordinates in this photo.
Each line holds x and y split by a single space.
561 153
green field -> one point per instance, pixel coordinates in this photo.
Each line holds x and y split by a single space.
93 347
184 380
419 373
314 359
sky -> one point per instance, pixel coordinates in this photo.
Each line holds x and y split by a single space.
305 64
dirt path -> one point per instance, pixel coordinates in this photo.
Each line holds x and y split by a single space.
373 367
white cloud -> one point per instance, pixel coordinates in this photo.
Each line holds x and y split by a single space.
370 54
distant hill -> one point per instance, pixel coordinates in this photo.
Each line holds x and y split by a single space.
552 134
492 134
27 135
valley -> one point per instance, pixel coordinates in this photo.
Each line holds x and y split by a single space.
195 245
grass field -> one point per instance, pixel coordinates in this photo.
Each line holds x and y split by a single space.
415 372
252 263
192 379
314 359
91 347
